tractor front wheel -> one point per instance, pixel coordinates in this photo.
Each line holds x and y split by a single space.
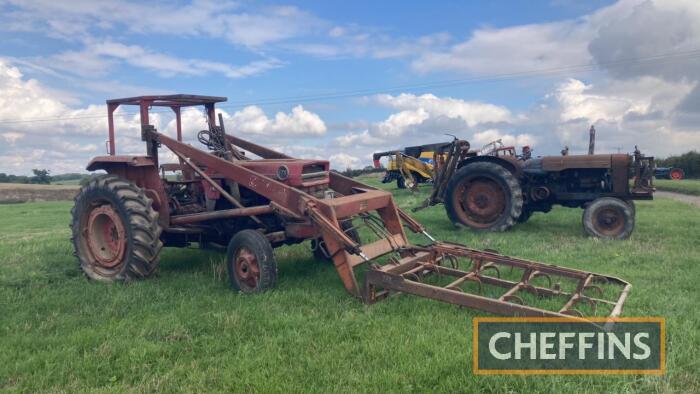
609 218
115 230
250 262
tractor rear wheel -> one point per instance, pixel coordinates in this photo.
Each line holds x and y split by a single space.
250 262
676 174
609 218
484 196
319 247
115 230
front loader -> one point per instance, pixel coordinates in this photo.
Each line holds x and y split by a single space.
222 196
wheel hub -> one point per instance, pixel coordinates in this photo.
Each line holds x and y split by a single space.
609 221
247 268
482 202
106 236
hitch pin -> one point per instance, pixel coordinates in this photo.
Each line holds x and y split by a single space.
428 236
364 256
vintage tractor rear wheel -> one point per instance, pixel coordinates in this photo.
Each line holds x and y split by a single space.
250 262
116 235
609 218
484 197
319 248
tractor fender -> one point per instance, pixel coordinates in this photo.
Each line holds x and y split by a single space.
511 164
107 162
142 171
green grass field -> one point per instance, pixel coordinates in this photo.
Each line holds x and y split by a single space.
185 331
685 186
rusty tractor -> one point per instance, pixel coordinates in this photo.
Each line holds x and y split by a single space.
221 196
492 192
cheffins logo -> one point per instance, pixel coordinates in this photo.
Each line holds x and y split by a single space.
569 346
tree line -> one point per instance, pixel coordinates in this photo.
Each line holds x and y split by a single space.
41 176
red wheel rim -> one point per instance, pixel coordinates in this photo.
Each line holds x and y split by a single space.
676 174
481 202
106 236
247 268
609 221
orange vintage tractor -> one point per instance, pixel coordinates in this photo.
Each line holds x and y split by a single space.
122 220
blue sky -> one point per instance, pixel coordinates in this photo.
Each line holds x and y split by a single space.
536 73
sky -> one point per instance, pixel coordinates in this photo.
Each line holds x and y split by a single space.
340 80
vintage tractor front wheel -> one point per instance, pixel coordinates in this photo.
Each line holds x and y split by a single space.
484 196
609 218
319 247
116 235
250 262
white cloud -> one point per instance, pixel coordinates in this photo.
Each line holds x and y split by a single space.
97 57
361 138
342 161
358 41
471 112
299 122
512 49
62 144
82 19
639 97
11 137
484 137
611 37
425 116
272 25
397 124
635 29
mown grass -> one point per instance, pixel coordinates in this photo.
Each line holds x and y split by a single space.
685 186
185 331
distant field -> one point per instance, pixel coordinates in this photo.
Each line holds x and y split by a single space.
685 186
185 331
11 193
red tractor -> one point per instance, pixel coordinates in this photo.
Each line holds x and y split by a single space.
221 196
